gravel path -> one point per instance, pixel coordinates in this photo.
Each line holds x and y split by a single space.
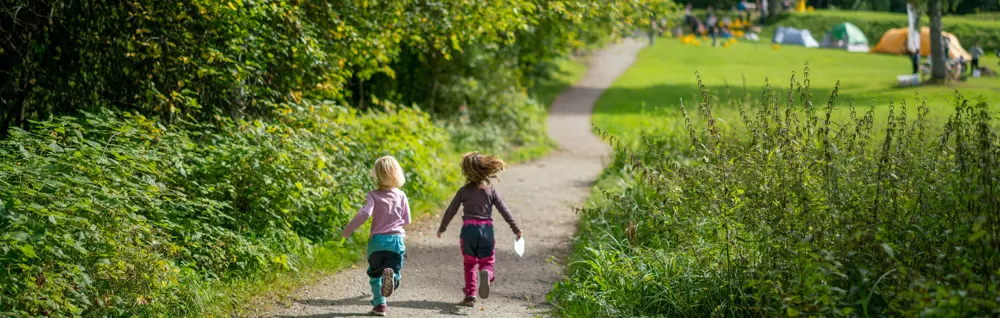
541 195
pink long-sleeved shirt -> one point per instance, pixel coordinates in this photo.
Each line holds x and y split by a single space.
388 209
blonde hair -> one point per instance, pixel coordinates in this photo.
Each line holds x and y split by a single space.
479 169
388 173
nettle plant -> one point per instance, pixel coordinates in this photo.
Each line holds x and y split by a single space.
795 213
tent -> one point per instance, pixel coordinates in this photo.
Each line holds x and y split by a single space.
793 36
846 36
894 42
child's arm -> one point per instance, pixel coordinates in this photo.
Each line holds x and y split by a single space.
360 218
505 213
450 212
406 210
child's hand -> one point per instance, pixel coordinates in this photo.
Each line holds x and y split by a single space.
439 234
518 234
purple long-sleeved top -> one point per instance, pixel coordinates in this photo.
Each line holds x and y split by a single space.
389 210
478 204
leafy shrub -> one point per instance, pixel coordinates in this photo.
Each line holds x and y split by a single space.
113 214
796 215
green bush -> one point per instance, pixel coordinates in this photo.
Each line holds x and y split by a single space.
111 214
796 215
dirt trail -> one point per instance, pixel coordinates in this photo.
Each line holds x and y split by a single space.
541 195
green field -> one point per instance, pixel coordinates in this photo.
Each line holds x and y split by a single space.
665 73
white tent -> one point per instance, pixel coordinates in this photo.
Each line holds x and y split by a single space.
793 36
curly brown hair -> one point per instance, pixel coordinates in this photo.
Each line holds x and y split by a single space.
479 169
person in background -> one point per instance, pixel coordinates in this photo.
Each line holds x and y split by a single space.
741 8
976 52
690 20
915 60
947 46
711 22
762 7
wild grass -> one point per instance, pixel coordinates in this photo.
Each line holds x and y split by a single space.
789 200
797 215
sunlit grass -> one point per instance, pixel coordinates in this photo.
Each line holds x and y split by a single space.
648 95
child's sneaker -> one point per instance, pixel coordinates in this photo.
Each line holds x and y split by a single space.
469 301
388 282
484 284
380 310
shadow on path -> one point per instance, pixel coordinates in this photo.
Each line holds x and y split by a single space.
442 308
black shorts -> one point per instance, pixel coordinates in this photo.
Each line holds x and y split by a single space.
478 240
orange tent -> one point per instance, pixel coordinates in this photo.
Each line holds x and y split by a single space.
894 42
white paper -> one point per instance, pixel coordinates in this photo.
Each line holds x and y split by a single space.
519 246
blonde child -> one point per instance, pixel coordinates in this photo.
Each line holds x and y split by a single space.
389 210
478 197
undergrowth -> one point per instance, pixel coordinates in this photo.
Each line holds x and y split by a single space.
115 214
794 214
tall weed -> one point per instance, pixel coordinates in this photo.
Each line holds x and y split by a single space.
795 214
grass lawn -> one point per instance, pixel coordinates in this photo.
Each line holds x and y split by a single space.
648 94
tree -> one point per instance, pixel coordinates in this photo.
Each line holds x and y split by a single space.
938 60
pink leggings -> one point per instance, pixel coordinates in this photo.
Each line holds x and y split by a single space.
478 234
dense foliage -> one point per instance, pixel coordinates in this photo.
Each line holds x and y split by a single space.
796 215
153 148
108 214
208 59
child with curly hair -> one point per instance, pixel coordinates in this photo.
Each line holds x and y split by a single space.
390 211
478 197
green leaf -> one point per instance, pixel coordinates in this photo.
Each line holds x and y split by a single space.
20 236
977 235
28 251
55 147
792 312
39 234
888 250
976 287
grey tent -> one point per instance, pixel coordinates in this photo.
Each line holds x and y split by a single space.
793 36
